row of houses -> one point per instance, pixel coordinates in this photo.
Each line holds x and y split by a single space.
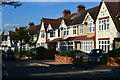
94 28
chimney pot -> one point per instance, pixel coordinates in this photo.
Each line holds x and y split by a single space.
80 8
66 12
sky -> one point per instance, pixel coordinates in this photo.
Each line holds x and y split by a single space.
34 11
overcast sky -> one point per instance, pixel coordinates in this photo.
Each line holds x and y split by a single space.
34 11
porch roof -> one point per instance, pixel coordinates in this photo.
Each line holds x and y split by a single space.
79 38
54 40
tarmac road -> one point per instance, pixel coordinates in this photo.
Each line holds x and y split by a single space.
36 70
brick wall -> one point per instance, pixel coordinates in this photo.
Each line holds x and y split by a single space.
113 61
68 60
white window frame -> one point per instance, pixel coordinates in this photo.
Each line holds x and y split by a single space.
104 45
90 26
104 24
65 31
81 29
66 45
52 34
86 46
42 34
74 30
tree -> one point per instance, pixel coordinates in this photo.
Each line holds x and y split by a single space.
11 3
20 35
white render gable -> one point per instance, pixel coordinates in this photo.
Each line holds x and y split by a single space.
105 32
88 15
49 27
63 24
41 40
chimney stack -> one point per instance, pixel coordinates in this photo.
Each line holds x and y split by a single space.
80 8
31 24
66 12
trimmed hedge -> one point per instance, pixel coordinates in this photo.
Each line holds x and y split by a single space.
114 53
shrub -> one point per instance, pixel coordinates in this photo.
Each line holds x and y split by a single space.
22 53
67 53
50 54
40 52
114 53
64 53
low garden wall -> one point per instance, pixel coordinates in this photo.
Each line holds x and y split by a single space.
68 60
113 61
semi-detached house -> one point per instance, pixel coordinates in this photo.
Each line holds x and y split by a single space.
108 26
80 30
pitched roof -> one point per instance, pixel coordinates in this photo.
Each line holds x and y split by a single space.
54 22
34 30
79 38
114 10
54 40
4 37
78 18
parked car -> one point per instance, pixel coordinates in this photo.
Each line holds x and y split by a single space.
117 49
79 53
10 55
3 72
96 56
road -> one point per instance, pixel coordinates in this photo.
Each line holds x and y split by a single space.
24 70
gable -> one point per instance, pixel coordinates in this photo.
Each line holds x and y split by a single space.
42 27
87 18
62 24
104 11
49 27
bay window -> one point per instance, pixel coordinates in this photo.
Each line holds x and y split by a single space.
86 46
66 46
104 45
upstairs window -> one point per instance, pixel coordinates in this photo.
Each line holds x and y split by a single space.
42 34
74 30
58 32
66 32
52 34
81 29
90 27
103 24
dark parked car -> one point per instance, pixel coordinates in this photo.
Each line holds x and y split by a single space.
96 56
10 55
79 53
